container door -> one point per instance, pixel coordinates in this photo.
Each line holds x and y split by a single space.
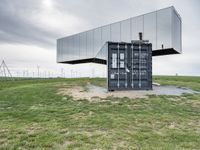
140 58
117 70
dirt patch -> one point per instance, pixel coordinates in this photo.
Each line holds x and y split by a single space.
65 144
79 116
119 145
95 93
33 129
172 125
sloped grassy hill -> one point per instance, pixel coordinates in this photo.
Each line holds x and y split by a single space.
34 116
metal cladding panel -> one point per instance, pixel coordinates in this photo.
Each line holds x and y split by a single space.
58 52
115 32
176 31
129 66
83 45
126 30
137 24
69 48
162 28
150 29
76 53
90 44
97 41
106 34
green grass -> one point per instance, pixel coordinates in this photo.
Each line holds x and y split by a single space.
180 81
34 116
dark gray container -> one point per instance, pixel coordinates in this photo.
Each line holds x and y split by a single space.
129 66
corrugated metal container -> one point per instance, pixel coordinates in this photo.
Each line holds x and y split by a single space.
129 66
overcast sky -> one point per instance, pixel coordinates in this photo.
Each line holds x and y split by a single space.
29 29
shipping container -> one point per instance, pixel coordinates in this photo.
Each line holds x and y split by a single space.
129 66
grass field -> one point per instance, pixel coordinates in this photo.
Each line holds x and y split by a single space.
34 116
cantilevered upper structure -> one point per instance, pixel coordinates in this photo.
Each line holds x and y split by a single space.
163 28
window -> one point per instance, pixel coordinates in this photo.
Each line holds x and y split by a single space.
122 56
121 65
114 60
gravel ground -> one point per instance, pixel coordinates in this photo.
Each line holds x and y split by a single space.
96 93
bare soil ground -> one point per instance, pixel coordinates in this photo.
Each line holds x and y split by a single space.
96 93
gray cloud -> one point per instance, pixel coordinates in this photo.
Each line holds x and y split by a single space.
98 13
15 25
18 23
28 22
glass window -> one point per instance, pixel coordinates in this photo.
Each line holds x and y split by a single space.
112 76
121 56
121 64
114 60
